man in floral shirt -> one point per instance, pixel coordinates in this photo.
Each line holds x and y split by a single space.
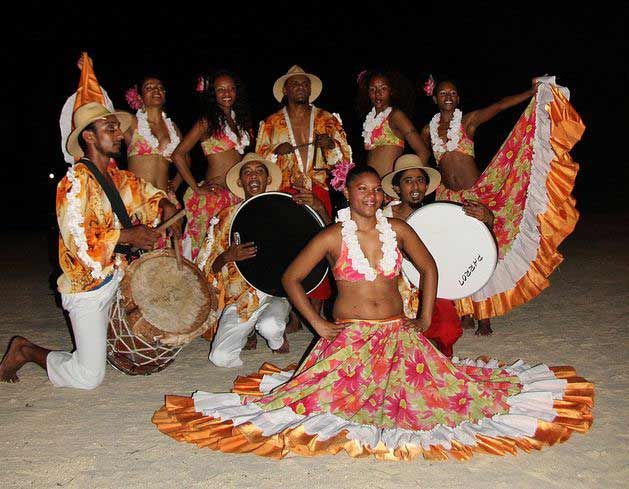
88 235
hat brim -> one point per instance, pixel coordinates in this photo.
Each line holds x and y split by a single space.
316 86
433 175
233 175
73 146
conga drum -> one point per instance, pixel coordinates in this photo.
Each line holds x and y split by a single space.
159 309
463 248
280 228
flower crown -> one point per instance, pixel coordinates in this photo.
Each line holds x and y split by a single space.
339 174
133 98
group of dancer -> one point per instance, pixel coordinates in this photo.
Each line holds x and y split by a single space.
381 379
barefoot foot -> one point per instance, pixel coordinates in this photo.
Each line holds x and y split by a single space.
294 324
484 328
467 322
13 359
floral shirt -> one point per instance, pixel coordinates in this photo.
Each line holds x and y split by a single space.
233 289
276 129
88 228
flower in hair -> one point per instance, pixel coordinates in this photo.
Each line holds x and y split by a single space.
133 98
429 86
201 83
339 174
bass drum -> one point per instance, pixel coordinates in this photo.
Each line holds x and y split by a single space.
280 228
463 248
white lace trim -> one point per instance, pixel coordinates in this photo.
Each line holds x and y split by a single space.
144 130
359 261
540 388
515 264
371 122
454 133
240 143
206 250
75 225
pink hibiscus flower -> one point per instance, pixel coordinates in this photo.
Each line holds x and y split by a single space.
460 403
417 371
350 378
398 408
374 403
304 406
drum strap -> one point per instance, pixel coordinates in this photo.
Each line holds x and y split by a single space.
117 205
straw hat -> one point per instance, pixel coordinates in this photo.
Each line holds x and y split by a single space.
84 116
233 175
315 84
406 162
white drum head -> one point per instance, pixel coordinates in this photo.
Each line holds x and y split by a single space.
463 248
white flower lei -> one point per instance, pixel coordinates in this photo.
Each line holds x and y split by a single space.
372 121
454 132
204 254
75 224
145 131
239 143
359 261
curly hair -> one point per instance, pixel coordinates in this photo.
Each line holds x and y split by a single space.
402 93
212 114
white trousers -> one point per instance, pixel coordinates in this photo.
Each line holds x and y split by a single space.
269 320
89 315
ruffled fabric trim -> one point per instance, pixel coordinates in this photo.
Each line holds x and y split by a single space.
549 216
553 403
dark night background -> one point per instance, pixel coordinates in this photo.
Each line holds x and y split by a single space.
491 53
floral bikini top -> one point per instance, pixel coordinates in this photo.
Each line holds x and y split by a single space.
225 140
381 135
457 140
343 269
139 146
143 141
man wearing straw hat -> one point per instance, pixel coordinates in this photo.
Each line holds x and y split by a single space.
411 181
88 236
246 309
305 142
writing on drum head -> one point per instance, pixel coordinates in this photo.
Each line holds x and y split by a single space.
470 270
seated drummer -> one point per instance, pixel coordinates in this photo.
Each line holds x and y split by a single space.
410 181
246 309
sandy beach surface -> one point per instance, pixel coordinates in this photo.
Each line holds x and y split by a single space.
104 438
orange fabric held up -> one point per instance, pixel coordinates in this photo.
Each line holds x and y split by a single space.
178 419
555 224
89 89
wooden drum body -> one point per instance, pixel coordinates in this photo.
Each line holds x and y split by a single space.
159 309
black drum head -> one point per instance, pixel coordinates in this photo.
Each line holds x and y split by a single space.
280 228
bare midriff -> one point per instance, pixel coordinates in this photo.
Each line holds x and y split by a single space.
458 171
219 164
381 158
152 168
379 299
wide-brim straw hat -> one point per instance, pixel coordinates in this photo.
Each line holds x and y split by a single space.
233 175
406 162
316 86
84 116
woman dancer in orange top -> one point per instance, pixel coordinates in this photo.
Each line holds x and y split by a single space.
224 131
385 99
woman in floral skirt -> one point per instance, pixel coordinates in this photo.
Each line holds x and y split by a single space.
373 385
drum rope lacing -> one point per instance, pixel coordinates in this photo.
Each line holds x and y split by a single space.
117 313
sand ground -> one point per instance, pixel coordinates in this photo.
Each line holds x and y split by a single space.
104 438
